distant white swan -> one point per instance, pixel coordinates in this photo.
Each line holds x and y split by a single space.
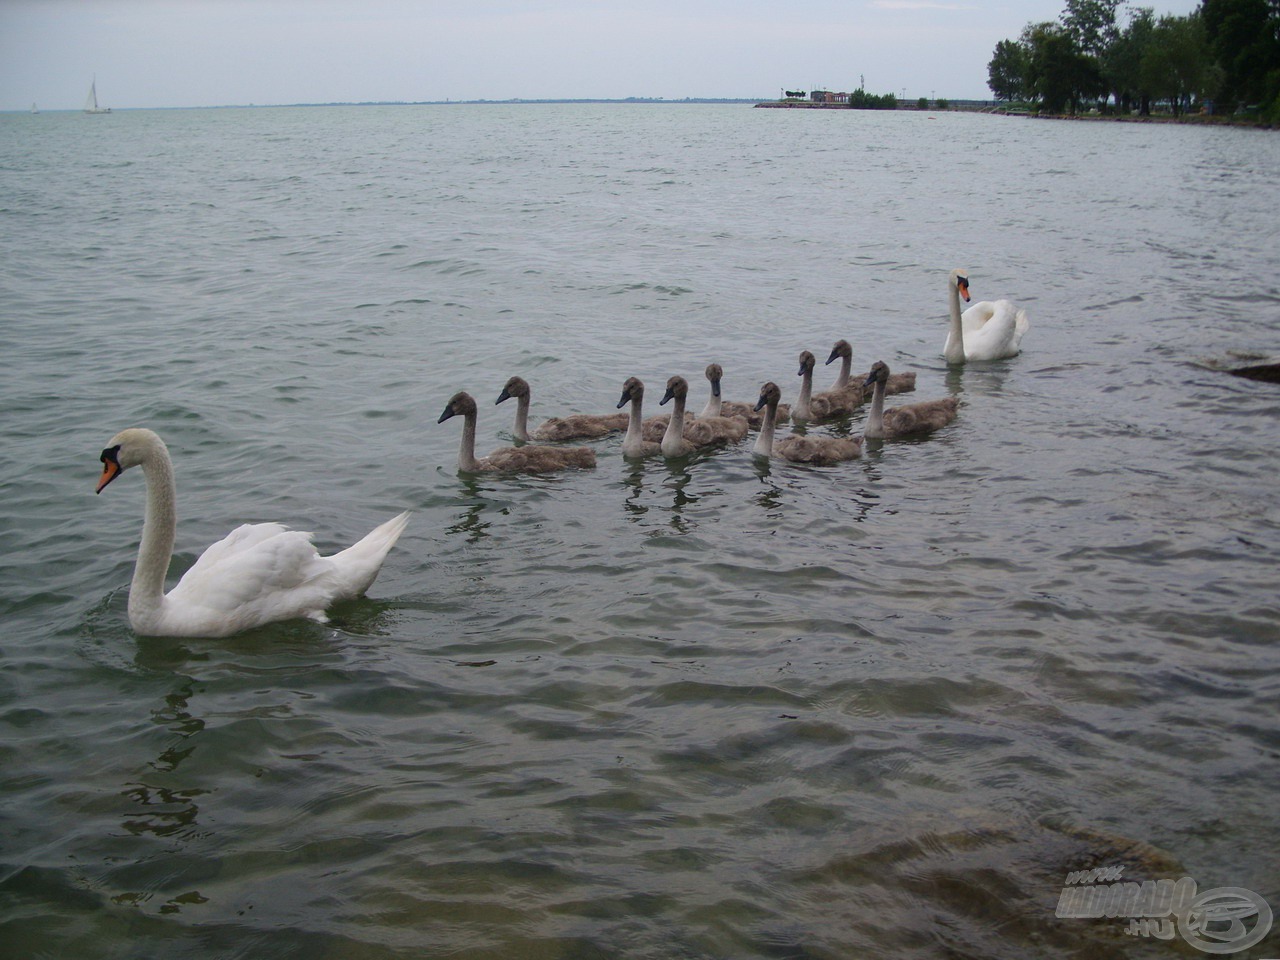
259 573
682 438
798 448
634 444
989 330
914 419
578 426
527 459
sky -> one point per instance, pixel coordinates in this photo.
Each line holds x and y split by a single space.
201 53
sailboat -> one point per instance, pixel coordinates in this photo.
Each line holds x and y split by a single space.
91 102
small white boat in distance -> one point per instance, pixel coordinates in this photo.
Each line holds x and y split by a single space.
91 102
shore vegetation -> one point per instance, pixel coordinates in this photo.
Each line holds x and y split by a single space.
1106 57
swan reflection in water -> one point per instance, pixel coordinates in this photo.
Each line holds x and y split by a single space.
672 475
471 521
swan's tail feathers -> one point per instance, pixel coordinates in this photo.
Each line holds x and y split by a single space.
1023 323
359 564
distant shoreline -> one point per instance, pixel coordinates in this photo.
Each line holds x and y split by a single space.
1187 119
953 106
991 107
411 103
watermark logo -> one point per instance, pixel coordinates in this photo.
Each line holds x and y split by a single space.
1221 920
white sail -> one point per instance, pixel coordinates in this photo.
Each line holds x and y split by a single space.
91 102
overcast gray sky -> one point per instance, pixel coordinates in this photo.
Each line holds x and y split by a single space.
194 53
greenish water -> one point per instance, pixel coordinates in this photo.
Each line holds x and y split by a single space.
701 708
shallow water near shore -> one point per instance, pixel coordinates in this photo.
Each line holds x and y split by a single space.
707 707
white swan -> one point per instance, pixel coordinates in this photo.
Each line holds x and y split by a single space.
911 420
634 444
989 330
829 403
259 573
898 382
528 459
683 438
578 426
797 448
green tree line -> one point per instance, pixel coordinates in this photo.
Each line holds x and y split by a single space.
1226 52
861 100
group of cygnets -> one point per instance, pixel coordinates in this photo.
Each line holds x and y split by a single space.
989 330
720 422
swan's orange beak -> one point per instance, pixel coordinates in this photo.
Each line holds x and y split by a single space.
110 470
963 285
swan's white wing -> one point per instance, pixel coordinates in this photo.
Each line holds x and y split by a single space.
242 538
355 568
998 333
1022 323
976 317
265 572
258 574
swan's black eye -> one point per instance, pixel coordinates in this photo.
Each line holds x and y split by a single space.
111 455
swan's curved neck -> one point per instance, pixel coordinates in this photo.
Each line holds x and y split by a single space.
802 408
635 428
875 419
673 438
146 593
521 428
713 407
846 367
764 440
954 349
467 448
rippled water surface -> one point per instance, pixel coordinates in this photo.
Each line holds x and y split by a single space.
698 708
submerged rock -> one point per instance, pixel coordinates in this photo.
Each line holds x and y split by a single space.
1252 366
1270 372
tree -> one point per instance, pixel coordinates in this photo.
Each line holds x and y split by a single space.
1061 75
1229 49
1008 72
1244 37
1122 61
861 100
1091 24
1175 65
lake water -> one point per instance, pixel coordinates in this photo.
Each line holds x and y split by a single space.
664 709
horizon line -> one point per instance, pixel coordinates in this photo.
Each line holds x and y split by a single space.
449 102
